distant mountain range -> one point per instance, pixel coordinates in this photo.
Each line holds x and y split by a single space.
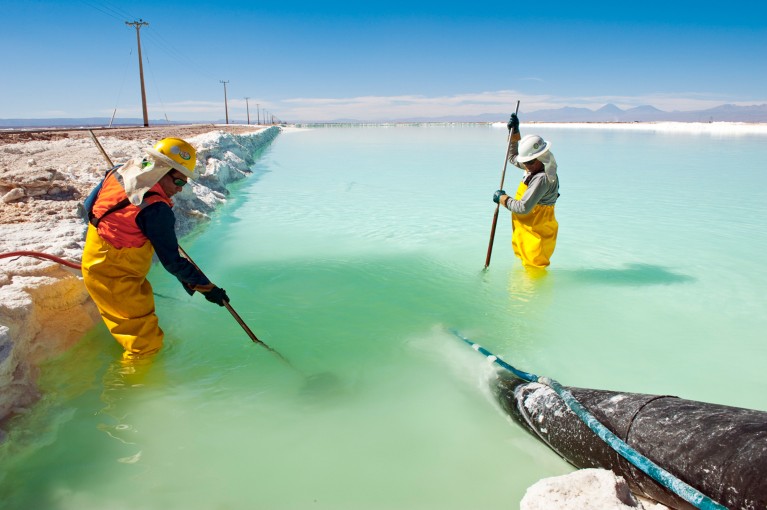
607 113
611 113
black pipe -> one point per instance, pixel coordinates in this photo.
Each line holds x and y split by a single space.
719 450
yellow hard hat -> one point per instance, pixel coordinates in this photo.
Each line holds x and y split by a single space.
177 153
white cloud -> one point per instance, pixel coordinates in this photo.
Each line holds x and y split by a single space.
469 104
378 108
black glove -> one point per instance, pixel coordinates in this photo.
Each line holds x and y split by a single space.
497 195
513 124
217 295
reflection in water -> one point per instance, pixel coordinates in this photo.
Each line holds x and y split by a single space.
529 290
523 282
529 300
123 382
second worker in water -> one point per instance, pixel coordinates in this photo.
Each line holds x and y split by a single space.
534 225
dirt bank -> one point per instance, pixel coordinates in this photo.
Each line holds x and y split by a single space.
123 133
44 174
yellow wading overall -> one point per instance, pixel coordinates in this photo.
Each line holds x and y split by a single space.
116 259
116 280
534 235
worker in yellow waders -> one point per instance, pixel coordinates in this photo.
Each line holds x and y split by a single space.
534 226
130 219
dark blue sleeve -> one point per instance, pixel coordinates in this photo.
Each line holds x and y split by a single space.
158 223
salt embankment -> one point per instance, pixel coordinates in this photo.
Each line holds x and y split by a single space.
44 307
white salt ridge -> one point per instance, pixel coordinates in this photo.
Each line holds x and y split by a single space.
712 128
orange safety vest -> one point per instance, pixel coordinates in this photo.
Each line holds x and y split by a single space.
119 226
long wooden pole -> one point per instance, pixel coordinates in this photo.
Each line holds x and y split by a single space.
103 152
498 205
236 315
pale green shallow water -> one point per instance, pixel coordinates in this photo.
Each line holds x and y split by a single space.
350 251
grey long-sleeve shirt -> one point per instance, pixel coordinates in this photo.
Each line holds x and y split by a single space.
539 191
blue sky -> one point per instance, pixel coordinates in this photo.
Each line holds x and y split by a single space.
373 60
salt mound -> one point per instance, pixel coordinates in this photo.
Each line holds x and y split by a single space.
597 489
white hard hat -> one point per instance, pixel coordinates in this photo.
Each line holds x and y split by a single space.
531 147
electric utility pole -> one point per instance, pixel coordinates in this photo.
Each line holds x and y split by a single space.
258 115
247 108
138 24
226 108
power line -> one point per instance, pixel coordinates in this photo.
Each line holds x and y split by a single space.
118 14
120 90
157 89
167 47
104 8
160 43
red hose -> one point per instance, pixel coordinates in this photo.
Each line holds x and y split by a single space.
38 255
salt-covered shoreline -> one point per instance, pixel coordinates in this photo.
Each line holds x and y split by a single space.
44 307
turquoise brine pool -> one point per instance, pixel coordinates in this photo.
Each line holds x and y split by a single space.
352 251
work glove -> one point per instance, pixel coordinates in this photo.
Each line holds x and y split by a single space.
497 195
216 295
513 124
